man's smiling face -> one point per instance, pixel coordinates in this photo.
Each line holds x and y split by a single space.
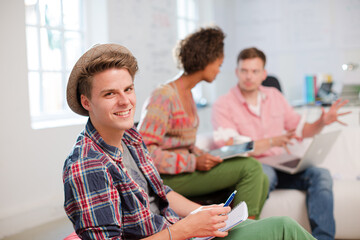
112 103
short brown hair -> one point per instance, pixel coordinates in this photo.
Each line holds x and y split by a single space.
249 53
104 62
199 49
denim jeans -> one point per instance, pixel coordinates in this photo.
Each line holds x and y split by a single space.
317 183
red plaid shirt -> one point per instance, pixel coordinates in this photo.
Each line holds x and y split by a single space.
101 199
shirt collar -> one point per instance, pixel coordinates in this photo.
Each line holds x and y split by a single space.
262 93
131 137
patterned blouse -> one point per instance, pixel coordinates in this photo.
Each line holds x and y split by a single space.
168 132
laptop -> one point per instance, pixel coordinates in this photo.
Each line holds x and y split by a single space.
231 151
315 153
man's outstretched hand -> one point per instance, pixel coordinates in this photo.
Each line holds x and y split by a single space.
332 115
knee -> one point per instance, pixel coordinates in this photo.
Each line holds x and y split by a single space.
253 165
321 176
285 221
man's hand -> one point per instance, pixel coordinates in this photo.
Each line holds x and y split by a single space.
207 161
284 140
332 115
326 118
204 222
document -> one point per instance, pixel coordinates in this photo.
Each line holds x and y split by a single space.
237 215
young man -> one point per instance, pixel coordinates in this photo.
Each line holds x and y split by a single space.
263 114
112 189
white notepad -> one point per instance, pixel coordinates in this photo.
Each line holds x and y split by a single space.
237 215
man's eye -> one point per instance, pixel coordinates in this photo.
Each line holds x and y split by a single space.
129 89
109 94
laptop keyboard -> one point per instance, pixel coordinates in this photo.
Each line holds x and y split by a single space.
292 163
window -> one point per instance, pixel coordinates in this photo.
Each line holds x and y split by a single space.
188 19
188 22
55 40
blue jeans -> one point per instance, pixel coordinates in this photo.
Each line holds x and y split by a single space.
317 183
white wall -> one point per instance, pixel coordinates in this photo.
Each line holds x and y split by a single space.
31 160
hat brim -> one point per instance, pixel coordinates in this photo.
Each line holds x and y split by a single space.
72 86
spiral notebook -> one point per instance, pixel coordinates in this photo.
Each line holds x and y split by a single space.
237 215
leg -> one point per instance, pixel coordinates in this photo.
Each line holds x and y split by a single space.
272 176
268 228
319 200
243 174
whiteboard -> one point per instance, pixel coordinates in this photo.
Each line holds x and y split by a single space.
148 28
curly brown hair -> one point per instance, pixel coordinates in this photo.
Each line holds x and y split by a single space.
249 53
199 49
104 62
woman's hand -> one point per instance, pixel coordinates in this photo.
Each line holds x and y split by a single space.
206 161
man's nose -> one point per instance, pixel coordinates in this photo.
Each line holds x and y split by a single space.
248 75
123 99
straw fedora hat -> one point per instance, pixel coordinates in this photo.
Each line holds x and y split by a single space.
96 51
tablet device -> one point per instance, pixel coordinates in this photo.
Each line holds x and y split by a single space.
227 152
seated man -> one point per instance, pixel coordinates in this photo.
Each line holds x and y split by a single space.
263 114
112 188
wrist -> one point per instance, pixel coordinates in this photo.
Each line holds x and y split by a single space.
180 230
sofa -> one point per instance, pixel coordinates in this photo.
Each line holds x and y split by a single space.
343 161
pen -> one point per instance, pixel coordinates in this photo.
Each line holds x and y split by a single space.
229 200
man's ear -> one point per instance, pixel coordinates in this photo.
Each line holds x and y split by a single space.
85 102
264 75
237 72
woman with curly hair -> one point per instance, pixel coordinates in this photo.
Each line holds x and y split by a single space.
169 125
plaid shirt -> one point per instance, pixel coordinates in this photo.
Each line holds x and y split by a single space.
102 200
